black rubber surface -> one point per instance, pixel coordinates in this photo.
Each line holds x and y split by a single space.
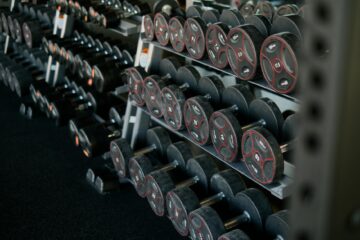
44 194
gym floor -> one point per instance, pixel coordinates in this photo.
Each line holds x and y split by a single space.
44 194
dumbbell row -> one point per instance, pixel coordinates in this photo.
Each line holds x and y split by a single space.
253 47
178 197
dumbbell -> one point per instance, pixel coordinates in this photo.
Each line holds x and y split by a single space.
139 167
199 168
181 201
228 126
174 96
33 31
95 139
277 225
271 11
149 28
195 33
287 9
250 207
80 122
279 53
154 84
102 179
161 25
262 154
22 80
243 47
157 139
198 109
247 8
236 234
112 18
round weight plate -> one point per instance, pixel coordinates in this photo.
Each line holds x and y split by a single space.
216 38
197 111
212 86
153 95
231 18
289 23
194 32
27 35
262 155
287 9
164 5
205 221
176 28
290 127
162 28
236 234
179 203
211 16
279 63
242 52
135 83
180 152
266 110
5 24
229 182
255 205
149 28
265 8
262 24
160 138
189 75
194 11
114 114
139 167
247 9
120 152
158 185
238 95
173 100
277 225
202 167
226 133
169 66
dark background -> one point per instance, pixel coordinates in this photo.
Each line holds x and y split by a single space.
44 194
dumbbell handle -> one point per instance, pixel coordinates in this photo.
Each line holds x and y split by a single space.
189 182
238 220
287 146
145 150
212 200
116 133
258 123
184 86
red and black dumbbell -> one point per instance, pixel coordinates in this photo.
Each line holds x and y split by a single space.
262 153
181 201
139 167
249 211
157 139
198 109
199 170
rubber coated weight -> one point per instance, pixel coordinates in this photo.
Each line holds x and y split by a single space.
197 110
121 152
165 5
236 234
287 9
176 29
289 23
141 166
251 205
216 39
277 225
194 31
248 8
135 83
194 11
265 8
160 183
211 16
161 27
174 97
231 18
149 28
279 62
181 201
153 96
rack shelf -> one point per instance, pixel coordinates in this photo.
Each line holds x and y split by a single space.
281 189
206 62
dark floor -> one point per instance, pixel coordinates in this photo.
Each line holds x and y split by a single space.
43 192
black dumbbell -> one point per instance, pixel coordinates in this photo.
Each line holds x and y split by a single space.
95 139
154 84
195 34
22 80
158 140
286 9
247 8
33 31
80 122
139 167
265 8
263 155
197 110
277 225
174 96
249 211
200 168
149 28
236 234
181 201
279 53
